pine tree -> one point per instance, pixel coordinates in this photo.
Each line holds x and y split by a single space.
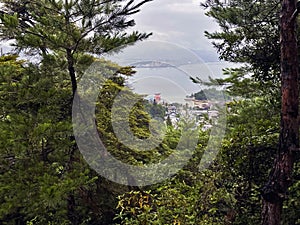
69 26
275 191
65 35
250 35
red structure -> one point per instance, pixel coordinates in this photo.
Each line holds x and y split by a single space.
157 97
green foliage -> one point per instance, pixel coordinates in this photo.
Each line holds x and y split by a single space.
210 94
45 180
34 146
291 206
155 110
139 121
249 34
81 26
228 192
169 122
248 153
71 27
135 207
249 150
190 197
40 173
199 95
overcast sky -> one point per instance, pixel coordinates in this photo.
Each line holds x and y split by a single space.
181 22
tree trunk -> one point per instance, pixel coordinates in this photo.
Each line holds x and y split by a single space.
71 69
274 192
72 215
71 204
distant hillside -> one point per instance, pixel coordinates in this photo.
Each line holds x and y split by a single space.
210 94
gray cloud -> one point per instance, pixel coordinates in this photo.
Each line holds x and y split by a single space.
179 21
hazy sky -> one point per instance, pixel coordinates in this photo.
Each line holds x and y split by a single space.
181 22
181 25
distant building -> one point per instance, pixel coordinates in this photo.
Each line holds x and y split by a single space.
189 102
171 109
172 114
213 114
197 104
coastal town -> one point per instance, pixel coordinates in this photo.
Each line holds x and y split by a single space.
202 110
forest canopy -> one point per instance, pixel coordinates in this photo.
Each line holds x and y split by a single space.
44 178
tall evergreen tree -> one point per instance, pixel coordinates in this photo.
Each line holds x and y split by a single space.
65 34
250 34
69 26
280 179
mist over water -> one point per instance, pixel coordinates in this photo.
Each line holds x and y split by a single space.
166 68
173 83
